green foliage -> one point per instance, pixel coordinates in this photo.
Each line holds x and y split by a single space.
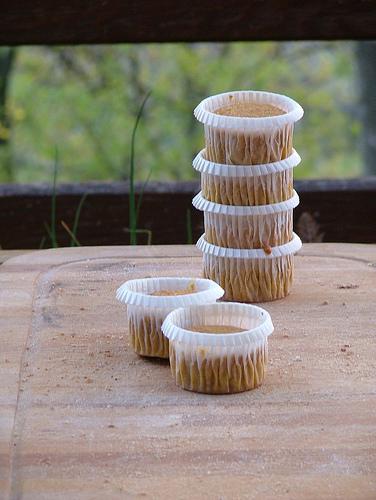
86 100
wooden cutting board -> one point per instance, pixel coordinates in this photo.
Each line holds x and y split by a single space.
82 417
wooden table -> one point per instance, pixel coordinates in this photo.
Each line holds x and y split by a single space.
82 417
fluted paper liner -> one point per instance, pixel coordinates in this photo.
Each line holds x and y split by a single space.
257 275
144 325
248 140
218 363
261 190
249 185
205 111
138 292
201 164
256 322
236 253
146 312
205 205
247 227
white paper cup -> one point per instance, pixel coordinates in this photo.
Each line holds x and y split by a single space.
247 227
246 184
251 275
246 140
146 312
218 363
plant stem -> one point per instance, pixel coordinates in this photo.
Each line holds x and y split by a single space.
189 227
139 200
148 232
48 229
42 242
132 200
71 234
53 204
77 220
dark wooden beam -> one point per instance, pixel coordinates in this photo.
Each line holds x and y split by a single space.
117 21
331 210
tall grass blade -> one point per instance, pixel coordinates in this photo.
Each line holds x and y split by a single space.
148 232
52 233
77 220
132 201
139 200
189 227
42 243
71 234
48 229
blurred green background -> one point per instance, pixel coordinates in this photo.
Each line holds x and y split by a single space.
83 100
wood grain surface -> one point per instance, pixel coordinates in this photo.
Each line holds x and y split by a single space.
113 21
82 417
9 254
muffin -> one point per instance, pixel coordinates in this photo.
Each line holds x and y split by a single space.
220 374
242 148
220 348
257 275
145 331
247 227
248 127
149 301
246 185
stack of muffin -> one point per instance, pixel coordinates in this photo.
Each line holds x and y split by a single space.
247 193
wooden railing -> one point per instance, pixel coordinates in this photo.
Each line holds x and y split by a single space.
138 21
332 210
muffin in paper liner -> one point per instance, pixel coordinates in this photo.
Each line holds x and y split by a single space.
256 275
149 301
236 147
247 227
212 362
244 140
246 184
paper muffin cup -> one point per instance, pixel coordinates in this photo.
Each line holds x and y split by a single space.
248 140
218 363
247 227
246 184
256 275
147 312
